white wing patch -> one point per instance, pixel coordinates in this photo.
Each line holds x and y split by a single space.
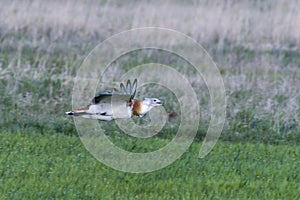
110 106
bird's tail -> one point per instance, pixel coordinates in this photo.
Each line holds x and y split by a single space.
79 111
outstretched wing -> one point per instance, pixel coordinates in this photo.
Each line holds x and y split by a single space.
101 98
107 98
109 106
115 105
126 93
130 89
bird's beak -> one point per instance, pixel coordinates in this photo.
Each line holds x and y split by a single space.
160 102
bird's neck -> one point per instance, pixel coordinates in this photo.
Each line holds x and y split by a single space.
139 107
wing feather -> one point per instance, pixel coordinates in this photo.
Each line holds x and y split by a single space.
122 88
101 98
109 106
133 88
129 89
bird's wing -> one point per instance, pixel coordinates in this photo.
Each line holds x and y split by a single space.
109 106
103 98
107 98
130 89
121 106
115 105
133 88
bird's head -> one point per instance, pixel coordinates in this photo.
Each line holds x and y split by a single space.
152 102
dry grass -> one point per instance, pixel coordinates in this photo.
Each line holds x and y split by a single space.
270 23
256 45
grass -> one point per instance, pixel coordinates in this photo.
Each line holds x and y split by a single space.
254 44
35 166
41 52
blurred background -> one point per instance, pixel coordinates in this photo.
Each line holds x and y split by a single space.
255 44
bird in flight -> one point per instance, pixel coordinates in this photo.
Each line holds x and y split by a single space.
110 106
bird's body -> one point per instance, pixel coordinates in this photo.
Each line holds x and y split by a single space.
116 106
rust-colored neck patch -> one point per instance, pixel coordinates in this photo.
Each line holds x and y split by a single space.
137 107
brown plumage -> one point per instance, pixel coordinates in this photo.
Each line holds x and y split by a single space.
137 107
121 105
79 110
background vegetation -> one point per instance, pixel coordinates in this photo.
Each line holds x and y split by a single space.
256 47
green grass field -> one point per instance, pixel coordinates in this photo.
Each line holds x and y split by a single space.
55 166
255 45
